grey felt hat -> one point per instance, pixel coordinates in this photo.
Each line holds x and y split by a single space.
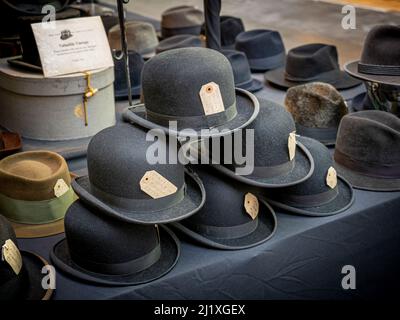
367 150
223 222
181 20
179 41
106 251
317 109
117 165
314 197
171 84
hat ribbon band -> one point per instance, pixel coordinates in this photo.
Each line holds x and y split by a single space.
386 171
36 212
194 122
273 171
317 133
182 29
270 61
323 76
233 232
379 69
124 268
140 205
309 200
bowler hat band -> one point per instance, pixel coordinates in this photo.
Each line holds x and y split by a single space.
270 172
124 268
320 133
270 61
195 122
140 205
379 69
332 74
36 212
233 232
310 200
386 171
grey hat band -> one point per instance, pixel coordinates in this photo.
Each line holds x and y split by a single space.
274 171
310 200
124 268
329 75
324 134
140 205
378 69
194 122
233 232
270 61
169 32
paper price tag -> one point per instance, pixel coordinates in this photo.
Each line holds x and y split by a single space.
156 186
251 205
11 254
211 98
60 188
331 178
292 145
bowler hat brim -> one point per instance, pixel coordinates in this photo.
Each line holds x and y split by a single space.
170 251
352 69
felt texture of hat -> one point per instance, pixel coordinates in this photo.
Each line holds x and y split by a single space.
10 143
380 58
314 197
317 109
116 169
109 255
34 7
109 22
360 102
93 9
223 222
181 20
136 63
311 63
264 49
367 150
179 41
241 71
27 285
171 84
141 37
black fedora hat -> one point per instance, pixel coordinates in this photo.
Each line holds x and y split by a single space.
273 137
117 166
172 82
24 282
223 222
367 150
380 58
317 109
107 251
314 197
32 7
136 64
179 41
241 71
264 49
310 63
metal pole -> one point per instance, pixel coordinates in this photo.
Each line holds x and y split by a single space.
212 9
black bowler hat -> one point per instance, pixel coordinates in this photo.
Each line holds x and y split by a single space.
230 28
380 58
314 197
241 71
171 85
136 63
310 63
367 150
118 165
264 49
223 222
107 251
27 284
179 41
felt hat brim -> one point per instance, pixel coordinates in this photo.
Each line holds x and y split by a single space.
364 182
342 201
267 224
18 62
192 202
253 86
170 251
341 81
329 142
352 69
121 94
247 106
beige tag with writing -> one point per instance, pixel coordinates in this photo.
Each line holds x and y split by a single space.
292 145
251 205
60 188
156 186
211 98
11 254
331 178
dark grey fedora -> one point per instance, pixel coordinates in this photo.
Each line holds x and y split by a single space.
117 162
317 109
310 63
27 284
314 197
171 84
367 150
223 222
380 58
103 250
241 71
272 165
181 20
264 49
179 41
